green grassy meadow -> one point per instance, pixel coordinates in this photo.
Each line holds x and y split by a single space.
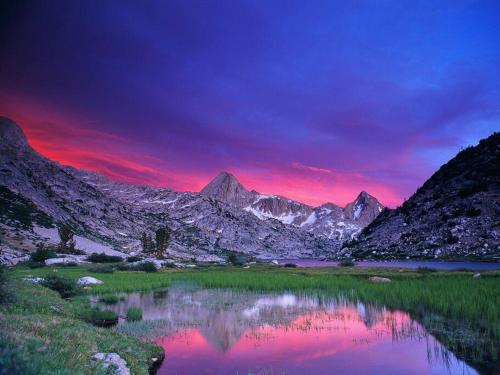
461 311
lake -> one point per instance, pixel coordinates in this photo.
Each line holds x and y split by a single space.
439 265
212 331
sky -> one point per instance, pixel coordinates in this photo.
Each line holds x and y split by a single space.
312 100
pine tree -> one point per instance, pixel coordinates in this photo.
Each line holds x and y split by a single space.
67 243
162 238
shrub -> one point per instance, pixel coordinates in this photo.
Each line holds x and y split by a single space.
472 189
65 287
107 268
43 253
30 264
134 314
234 259
425 270
451 239
133 259
69 264
13 360
5 294
101 318
109 299
290 265
143 266
346 263
472 212
103 258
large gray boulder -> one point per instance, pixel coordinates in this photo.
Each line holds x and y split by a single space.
114 360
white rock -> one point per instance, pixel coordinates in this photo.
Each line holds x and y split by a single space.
89 280
33 280
476 275
377 279
114 359
155 262
275 262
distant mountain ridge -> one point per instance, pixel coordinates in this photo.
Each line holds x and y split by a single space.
36 194
454 215
328 220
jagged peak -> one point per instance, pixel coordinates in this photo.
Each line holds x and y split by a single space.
226 187
11 134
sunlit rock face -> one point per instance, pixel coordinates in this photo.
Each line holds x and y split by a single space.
229 332
108 216
328 220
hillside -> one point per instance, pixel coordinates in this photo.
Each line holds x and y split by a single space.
454 215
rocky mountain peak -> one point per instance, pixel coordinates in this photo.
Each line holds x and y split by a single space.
364 208
226 187
11 135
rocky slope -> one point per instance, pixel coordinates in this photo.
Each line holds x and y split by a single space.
329 220
37 194
455 214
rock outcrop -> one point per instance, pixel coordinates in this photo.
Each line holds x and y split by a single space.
454 215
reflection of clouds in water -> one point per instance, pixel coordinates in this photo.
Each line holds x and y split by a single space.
284 301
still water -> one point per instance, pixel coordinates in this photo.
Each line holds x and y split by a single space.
210 331
438 265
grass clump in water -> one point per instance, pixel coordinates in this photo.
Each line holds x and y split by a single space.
101 318
134 314
109 299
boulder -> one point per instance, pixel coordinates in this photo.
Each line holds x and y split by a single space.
34 280
89 280
377 279
79 259
11 257
112 359
275 262
156 263
476 275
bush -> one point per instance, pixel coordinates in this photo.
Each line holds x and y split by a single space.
42 254
65 287
346 263
107 268
144 266
234 260
101 318
472 212
290 265
133 259
109 299
69 264
134 314
5 294
103 258
13 360
451 239
425 270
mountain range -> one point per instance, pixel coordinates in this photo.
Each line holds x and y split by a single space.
37 195
454 215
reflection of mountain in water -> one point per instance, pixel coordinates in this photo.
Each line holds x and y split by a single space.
223 316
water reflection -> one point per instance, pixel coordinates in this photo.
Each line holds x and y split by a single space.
233 332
